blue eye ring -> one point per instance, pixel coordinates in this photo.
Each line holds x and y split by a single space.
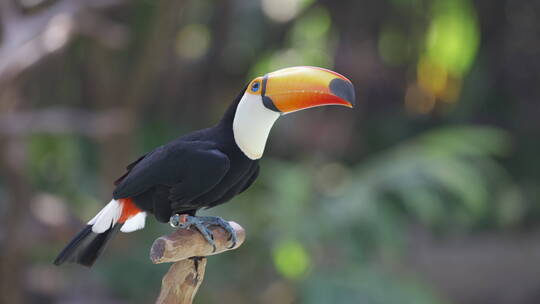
255 86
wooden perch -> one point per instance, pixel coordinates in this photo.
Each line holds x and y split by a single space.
187 248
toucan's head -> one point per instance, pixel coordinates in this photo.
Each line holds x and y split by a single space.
297 88
284 91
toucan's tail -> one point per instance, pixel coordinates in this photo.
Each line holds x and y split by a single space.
88 244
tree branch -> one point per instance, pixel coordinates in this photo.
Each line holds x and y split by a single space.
187 248
182 281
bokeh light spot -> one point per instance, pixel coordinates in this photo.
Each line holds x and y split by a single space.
453 35
311 28
419 101
49 209
193 41
291 259
431 76
281 10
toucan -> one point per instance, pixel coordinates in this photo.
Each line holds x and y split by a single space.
207 167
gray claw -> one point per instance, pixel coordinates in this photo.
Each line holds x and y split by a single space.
202 223
207 234
225 225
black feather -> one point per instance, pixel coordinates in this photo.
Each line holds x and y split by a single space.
86 246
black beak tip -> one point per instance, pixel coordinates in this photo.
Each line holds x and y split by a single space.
343 89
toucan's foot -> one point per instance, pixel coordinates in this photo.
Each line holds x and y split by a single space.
202 223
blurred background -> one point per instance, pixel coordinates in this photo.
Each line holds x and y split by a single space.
426 193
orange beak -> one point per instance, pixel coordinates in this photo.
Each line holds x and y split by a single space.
297 88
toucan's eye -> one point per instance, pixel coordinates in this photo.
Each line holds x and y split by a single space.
255 86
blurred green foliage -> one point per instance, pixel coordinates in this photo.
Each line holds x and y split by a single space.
307 43
453 37
443 139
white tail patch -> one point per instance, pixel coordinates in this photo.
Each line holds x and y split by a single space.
134 223
107 217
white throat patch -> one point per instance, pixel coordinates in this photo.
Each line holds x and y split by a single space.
252 124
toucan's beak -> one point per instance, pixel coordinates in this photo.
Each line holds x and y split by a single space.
297 88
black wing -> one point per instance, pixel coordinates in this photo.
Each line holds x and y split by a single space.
128 169
191 168
251 179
